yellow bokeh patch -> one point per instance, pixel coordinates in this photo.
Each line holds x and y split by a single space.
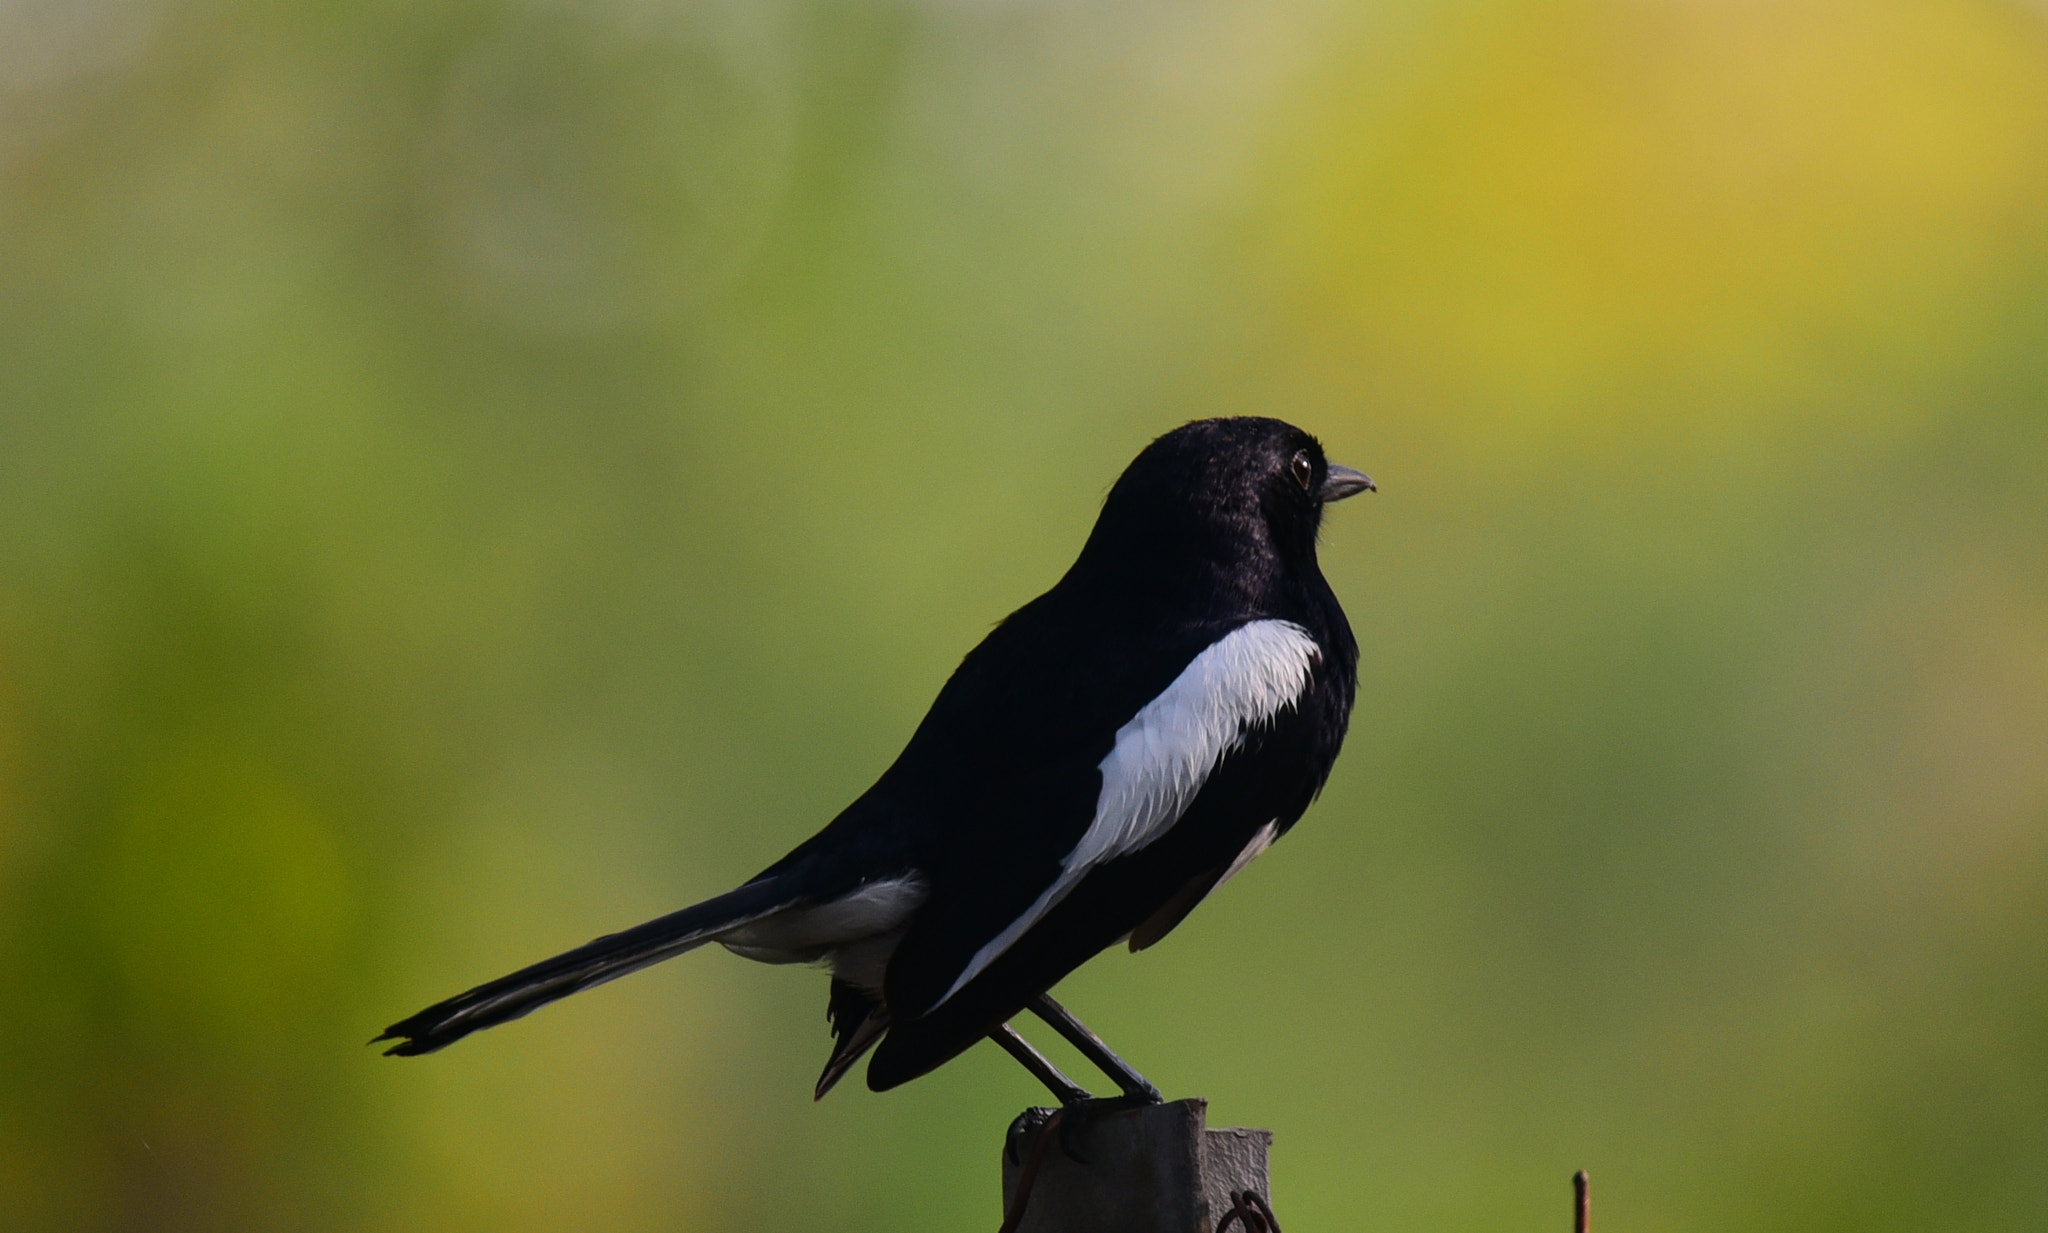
1569 219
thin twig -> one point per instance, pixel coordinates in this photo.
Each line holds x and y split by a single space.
1582 1202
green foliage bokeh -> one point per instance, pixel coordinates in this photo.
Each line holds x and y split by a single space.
476 475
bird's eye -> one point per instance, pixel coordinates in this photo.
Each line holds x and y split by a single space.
1304 470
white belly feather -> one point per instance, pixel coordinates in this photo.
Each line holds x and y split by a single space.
856 933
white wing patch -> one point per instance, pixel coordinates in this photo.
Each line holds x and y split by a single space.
1166 752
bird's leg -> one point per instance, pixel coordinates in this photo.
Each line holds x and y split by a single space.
1033 1122
1136 1089
1064 1090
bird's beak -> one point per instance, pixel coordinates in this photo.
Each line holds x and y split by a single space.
1343 482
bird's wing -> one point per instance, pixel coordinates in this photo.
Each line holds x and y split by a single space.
1199 887
1055 815
1165 753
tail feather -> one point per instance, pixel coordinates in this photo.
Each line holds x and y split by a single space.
607 958
858 1021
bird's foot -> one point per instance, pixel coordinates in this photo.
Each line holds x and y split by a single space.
1079 1117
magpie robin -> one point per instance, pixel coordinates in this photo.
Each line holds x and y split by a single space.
1110 754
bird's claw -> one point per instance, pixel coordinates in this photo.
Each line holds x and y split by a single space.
1028 1126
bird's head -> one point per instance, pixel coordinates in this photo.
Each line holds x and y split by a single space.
1214 490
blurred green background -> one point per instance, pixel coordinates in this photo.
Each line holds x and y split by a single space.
476 474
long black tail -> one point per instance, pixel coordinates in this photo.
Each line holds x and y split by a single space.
608 958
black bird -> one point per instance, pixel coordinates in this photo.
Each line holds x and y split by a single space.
1111 753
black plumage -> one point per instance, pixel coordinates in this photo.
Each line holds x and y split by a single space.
1106 756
